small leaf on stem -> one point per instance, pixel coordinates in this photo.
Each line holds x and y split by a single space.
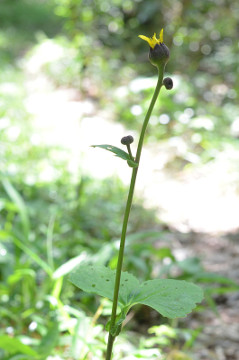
118 152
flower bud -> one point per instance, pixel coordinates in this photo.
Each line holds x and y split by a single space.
127 140
168 83
159 54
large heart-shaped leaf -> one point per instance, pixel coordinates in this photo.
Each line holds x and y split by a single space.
100 280
119 153
171 298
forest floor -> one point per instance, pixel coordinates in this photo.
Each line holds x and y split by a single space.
201 204
218 254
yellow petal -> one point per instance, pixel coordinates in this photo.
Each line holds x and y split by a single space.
161 36
153 41
149 41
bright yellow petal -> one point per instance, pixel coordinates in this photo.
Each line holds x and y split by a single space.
145 38
161 36
153 41
154 37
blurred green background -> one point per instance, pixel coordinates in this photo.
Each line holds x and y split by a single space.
55 211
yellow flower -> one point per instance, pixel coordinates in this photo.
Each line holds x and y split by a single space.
153 41
158 51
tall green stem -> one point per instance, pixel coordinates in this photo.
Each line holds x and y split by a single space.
111 337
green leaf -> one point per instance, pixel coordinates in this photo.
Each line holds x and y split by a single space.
118 323
69 265
14 346
171 298
26 248
119 153
213 278
100 280
19 202
132 163
50 340
191 265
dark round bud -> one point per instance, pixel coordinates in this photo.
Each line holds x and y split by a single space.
127 140
168 83
159 55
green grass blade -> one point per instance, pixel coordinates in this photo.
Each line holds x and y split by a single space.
19 202
32 255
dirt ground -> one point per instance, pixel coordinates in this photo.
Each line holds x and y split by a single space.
219 339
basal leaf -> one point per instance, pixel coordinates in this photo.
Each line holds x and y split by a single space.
99 280
171 298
